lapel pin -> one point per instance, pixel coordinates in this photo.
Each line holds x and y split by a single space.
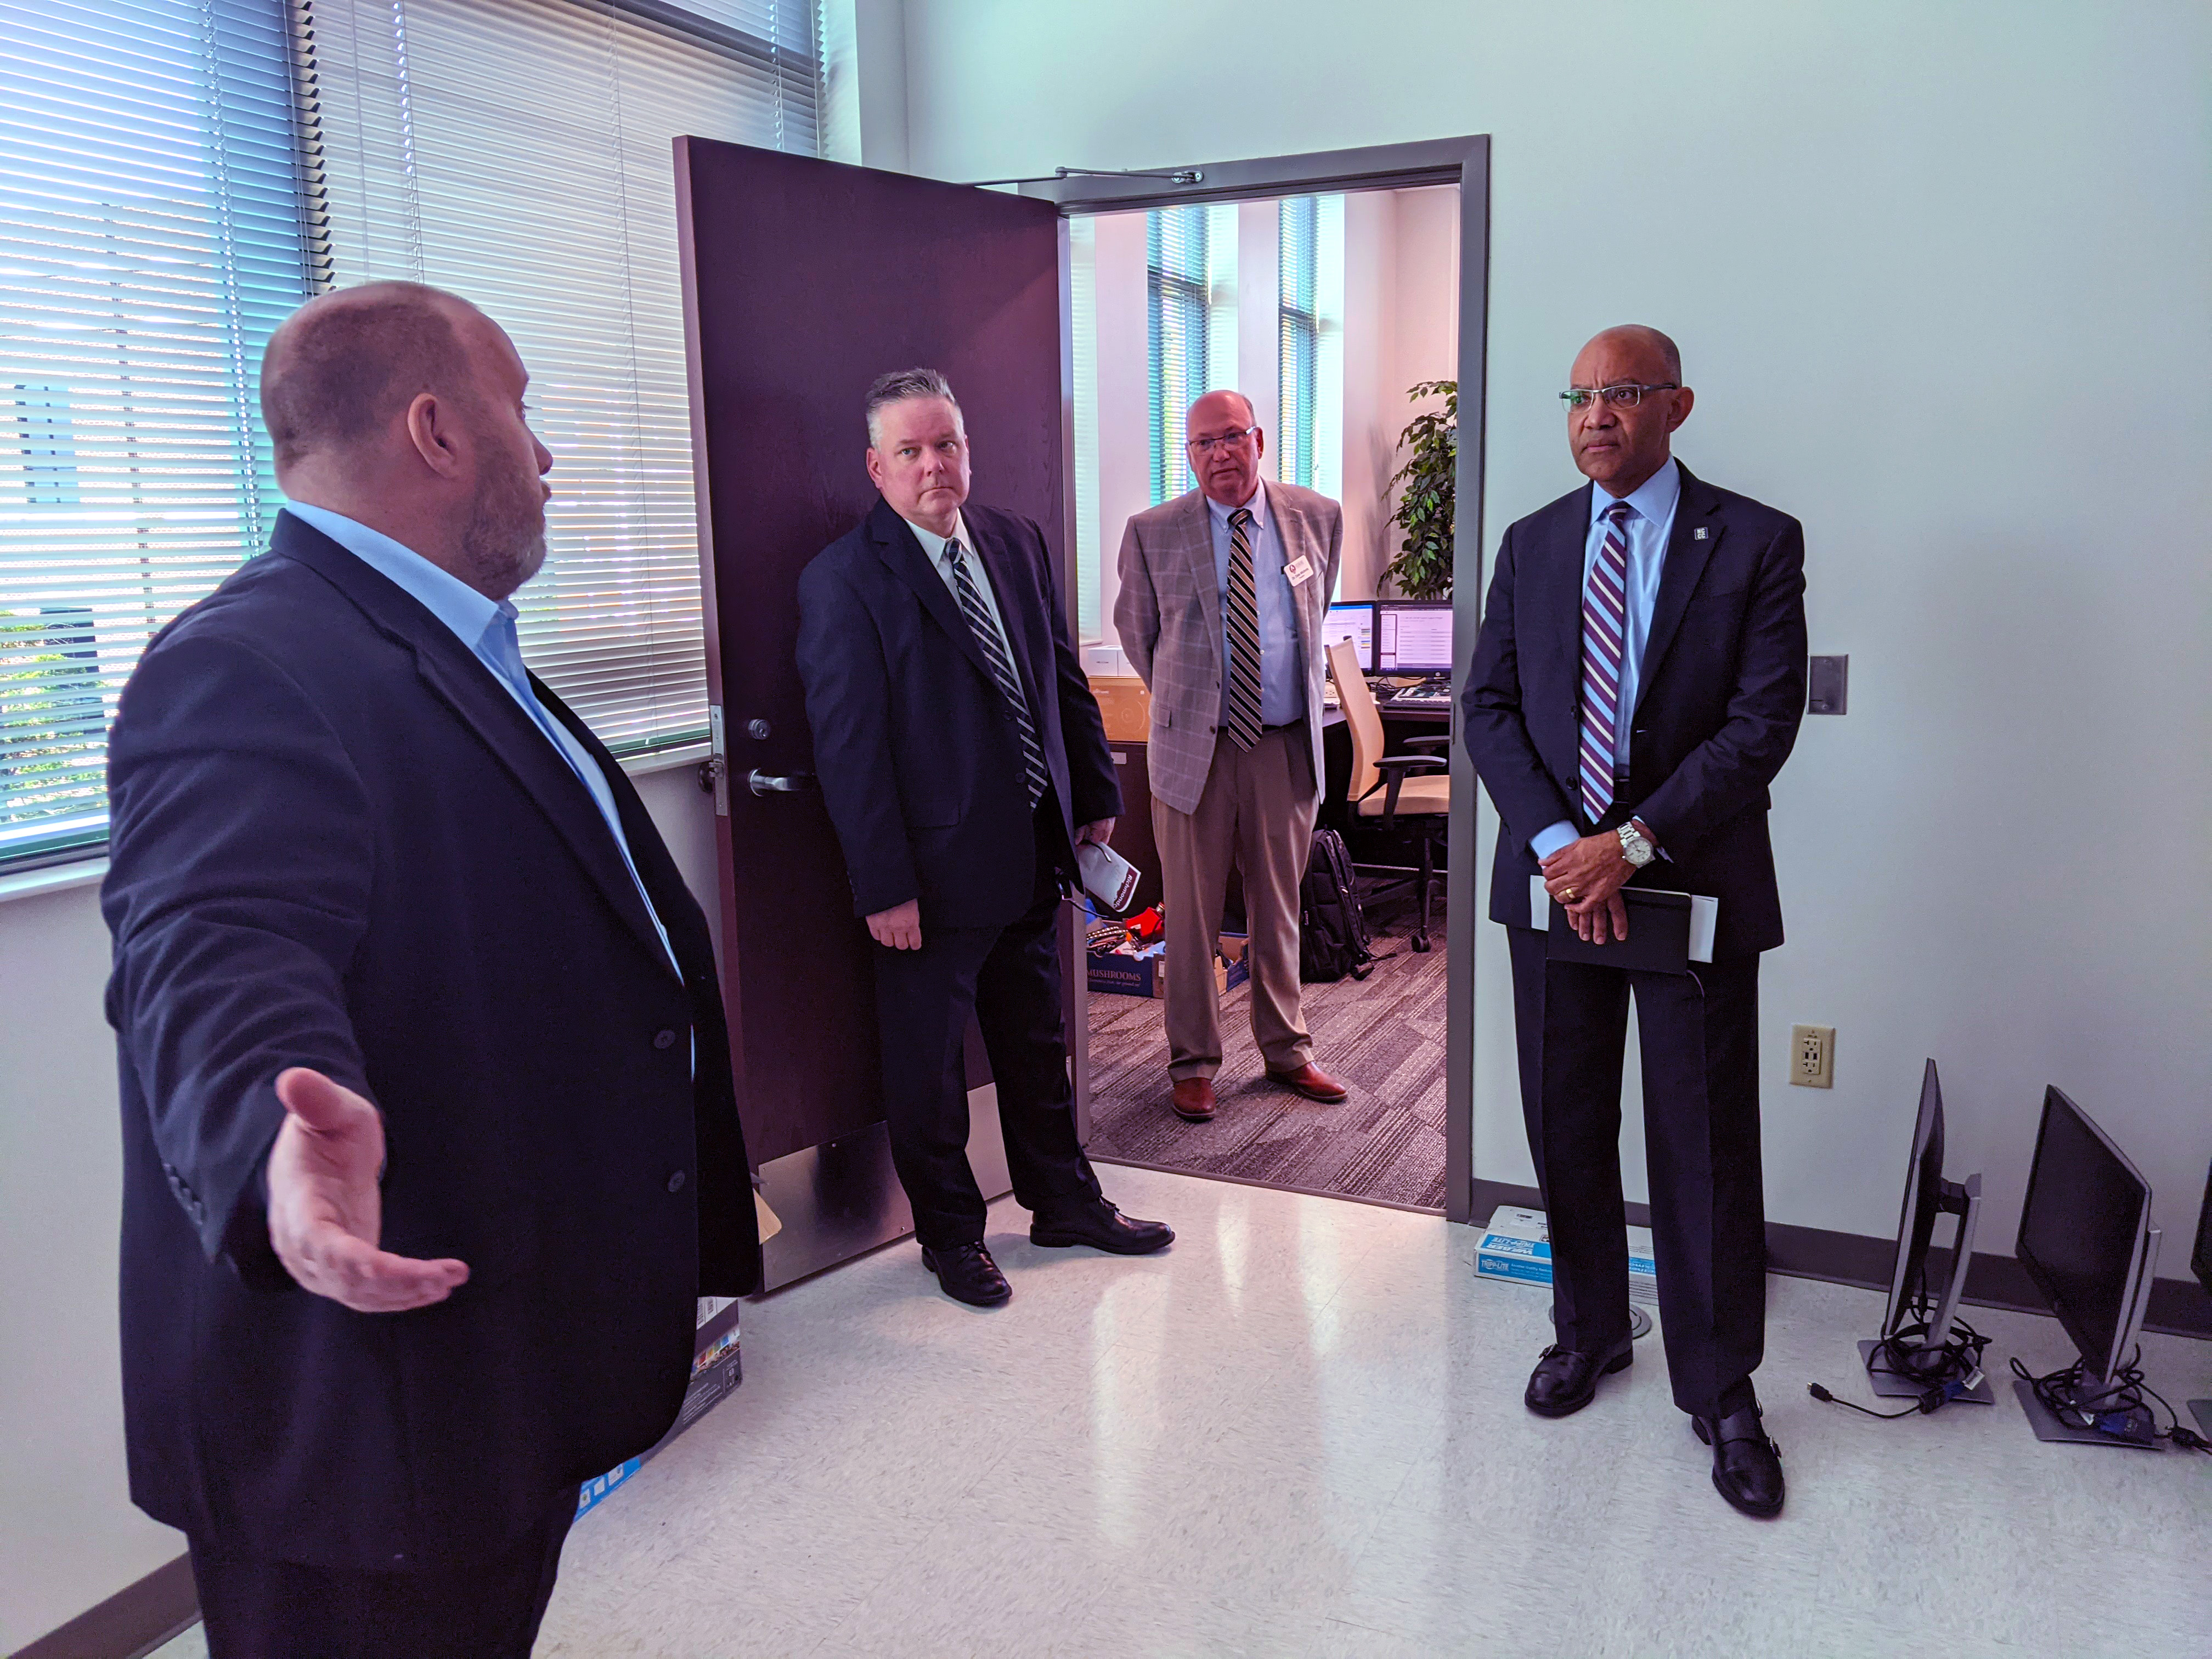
1699 534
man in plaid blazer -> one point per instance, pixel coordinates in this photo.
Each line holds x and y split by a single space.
1223 591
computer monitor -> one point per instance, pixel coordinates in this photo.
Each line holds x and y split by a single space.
2087 1242
1413 636
1352 620
1916 1347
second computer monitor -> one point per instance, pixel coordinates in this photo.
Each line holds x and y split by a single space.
2085 1234
1413 636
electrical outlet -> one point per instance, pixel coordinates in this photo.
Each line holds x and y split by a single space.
1813 1056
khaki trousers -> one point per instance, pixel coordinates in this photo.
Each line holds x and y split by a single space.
1258 809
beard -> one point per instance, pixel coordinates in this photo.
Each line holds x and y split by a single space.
503 543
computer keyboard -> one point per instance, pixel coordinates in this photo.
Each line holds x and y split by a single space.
1422 696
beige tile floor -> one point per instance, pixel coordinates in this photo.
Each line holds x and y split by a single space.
1299 1432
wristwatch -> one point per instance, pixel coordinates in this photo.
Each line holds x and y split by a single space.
1634 847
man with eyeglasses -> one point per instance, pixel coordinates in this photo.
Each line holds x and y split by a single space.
1223 591
1637 684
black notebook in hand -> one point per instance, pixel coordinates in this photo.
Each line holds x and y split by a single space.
1658 933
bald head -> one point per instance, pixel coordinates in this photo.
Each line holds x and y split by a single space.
1642 343
1225 445
1620 437
345 366
401 408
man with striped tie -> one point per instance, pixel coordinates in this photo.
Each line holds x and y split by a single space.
1223 591
962 760
1638 682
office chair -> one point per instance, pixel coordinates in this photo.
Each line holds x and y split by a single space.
1414 789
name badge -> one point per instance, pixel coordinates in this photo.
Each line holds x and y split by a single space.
1299 569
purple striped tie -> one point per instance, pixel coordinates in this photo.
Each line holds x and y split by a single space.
1605 636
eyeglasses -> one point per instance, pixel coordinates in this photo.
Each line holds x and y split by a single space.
1617 397
1204 447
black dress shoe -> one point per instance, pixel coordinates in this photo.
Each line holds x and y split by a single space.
967 1274
1102 1227
1564 1382
1746 1465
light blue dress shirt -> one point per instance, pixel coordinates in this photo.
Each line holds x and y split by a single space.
1282 660
1650 524
487 627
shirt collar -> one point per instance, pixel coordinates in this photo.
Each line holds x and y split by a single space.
1257 506
440 593
934 544
1653 500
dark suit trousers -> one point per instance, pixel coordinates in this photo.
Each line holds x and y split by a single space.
1008 978
1699 1038
490 1609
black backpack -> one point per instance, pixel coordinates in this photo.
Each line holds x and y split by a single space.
1332 937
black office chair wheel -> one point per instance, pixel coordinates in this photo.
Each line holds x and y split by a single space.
1421 943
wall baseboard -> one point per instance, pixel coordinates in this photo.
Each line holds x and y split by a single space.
2178 1307
130 1624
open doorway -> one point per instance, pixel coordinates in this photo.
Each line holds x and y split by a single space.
1338 314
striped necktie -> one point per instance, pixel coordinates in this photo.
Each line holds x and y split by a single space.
1243 623
993 645
1605 637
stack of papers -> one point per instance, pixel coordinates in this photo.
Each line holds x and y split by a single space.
1517 1246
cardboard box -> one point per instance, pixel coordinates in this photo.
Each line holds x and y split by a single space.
1143 972
717 1368
1126 707
1516 1245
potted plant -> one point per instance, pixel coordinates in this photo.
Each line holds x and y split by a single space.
1423 568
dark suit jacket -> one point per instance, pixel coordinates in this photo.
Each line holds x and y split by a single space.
1717 707
339 842
918 754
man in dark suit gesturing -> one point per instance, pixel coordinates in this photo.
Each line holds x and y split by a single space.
430 1141
962 760
1638 682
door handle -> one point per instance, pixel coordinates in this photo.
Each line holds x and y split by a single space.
765 783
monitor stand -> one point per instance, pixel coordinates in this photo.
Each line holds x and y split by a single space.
1893 1385
2139 1433
2201 1411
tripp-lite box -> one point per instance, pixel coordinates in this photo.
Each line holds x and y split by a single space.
717 1368
1515 1246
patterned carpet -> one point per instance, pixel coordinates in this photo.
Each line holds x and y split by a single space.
1383 1037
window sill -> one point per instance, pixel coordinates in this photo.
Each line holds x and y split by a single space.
53 878
90 872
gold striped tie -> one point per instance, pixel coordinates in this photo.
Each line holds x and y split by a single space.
1243 620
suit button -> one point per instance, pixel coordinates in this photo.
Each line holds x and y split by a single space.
664 1039
676 1181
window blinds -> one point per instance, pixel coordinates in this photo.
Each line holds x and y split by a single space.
1298 339
518 152
150 237
1179 286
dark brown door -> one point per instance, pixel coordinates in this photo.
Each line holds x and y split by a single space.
804 280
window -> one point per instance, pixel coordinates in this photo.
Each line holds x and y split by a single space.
151 235
519 153
1298 330
1178 290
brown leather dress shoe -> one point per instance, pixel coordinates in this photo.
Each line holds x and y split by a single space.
1193 1099
1312 1082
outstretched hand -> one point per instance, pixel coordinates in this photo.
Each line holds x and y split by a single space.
325 1210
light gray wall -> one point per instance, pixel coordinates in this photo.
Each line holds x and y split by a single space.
68 1538
1939 273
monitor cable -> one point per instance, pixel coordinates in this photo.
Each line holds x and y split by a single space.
1947 1371
2058 1391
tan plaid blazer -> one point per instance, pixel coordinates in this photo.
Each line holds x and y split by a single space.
1169 616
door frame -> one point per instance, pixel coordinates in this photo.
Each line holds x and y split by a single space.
1463 161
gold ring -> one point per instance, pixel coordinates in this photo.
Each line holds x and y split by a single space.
1568 893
